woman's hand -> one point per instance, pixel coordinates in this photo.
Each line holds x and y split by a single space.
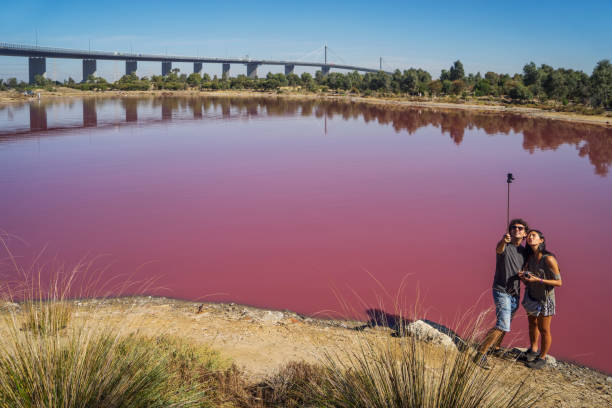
527 277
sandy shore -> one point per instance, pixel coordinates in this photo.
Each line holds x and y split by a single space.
9 97
261 341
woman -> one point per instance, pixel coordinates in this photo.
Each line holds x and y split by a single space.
540 275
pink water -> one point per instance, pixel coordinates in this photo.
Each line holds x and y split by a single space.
304 205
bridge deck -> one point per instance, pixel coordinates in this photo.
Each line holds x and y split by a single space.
48 52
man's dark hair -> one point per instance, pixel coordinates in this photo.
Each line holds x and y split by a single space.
519 221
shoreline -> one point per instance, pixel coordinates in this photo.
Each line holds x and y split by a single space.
10 97
259 343
237 311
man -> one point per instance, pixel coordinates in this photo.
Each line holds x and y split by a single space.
506 285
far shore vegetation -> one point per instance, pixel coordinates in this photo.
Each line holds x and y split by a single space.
543 87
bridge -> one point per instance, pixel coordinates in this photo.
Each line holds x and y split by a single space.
37 62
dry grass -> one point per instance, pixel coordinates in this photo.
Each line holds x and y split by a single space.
396 372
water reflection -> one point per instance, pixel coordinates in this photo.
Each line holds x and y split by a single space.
591 141
38 117
90 115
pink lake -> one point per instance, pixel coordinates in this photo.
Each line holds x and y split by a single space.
306 205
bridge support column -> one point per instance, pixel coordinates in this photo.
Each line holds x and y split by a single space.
131 67
166 67
89 68
197 68
225 70
325 69
37 66
252 69
289 69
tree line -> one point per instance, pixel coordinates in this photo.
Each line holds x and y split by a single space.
538 84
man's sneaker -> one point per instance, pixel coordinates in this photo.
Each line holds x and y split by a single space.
481 361
537 363
531 355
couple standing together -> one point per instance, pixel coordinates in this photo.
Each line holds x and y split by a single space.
537 268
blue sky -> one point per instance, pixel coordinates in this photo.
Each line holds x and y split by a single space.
485 36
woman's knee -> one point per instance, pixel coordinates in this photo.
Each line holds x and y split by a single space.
544 329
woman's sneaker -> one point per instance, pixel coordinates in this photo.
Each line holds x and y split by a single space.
537 363
531 355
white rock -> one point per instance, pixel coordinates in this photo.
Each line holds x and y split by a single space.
272 317
551 361
424 332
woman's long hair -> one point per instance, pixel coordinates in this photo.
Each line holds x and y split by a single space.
542 247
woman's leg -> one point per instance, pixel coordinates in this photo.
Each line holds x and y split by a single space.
544 328
534 332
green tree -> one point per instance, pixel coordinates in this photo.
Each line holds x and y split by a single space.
444 75
446 86
355 79
410 82
531 75
554 85
435 87
492 78
482 88
601 84
456 71
518 91
194 80
308 81
457 87
293 79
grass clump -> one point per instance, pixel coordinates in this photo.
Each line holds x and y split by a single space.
401 372
46 317
81 367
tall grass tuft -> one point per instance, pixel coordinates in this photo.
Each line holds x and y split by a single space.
86 367
404 372
46 317
50 358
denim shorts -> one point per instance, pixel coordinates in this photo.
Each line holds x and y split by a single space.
505 307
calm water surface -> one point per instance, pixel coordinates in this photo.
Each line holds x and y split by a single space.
295 205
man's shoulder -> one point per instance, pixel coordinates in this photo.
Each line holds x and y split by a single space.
515 250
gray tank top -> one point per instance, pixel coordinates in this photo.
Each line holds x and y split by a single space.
539 291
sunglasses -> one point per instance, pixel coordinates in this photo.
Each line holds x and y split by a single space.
517 227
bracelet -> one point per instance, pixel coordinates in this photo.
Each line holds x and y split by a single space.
541 280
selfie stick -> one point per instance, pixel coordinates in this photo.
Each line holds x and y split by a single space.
509 179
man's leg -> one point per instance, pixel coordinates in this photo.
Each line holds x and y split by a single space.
514 302
493 336
544 328
504 308
534 333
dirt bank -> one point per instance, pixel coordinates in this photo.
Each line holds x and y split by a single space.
261 341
